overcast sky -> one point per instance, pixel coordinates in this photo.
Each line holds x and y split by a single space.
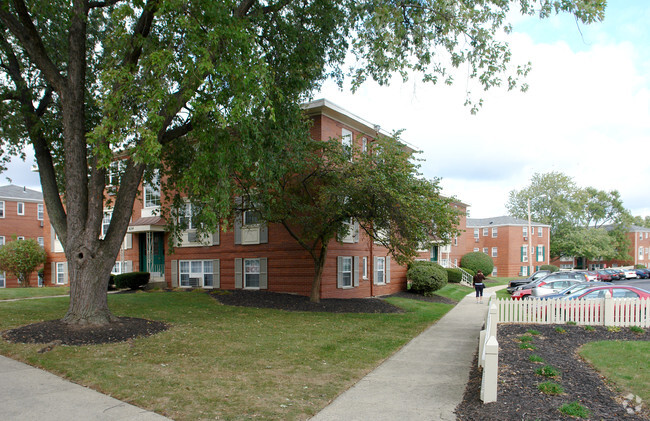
586 114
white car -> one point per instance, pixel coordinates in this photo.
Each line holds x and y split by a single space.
629 273
552 287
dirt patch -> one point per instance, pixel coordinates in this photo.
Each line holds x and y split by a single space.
57 332
518 397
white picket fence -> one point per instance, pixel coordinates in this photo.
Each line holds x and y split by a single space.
606 311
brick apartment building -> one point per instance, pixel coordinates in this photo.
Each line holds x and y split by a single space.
253 255
21 217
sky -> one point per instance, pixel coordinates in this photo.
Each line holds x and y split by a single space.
586 114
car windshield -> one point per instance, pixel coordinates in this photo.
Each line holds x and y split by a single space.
575 287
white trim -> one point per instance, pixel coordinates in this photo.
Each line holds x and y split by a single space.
20 208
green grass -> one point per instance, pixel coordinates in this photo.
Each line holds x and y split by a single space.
624 363
533 332
13 293
550 388
574 409
548 371
534 358
223 362
455 292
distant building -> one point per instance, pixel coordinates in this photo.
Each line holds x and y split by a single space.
21 217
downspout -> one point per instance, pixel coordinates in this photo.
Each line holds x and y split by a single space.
371 268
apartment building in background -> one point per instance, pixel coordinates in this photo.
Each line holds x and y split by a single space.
22 215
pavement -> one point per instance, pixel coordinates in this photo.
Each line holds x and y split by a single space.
425 380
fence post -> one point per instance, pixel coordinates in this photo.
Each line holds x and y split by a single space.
608 305
481 345
494 319
490 371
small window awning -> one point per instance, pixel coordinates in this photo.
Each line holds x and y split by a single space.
147 224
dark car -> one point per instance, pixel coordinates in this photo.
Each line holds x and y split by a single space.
604 276
512 285
616 274
643 273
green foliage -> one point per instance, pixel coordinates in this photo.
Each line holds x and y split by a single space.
548 371
527 345
552 268
525 338
571 323
614 329
574 409
550 388
21 258
132 280
590 328
534 358
476 261
533 332
426 277
637 330
454 275
560 330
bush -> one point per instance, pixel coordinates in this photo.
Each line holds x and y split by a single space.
552 268
132 280
476 261
426 277
454 275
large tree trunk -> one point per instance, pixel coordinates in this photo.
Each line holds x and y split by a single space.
88 285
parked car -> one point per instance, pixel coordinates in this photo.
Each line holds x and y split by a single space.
642 273
629 273
553 287
521 294
616 275
590 274
575 288
512 285
617 291
562 275
604 275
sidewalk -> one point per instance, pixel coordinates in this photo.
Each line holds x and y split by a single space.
425 380
27 393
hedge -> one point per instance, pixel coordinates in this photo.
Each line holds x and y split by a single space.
552 268
426 277
477 261
132 280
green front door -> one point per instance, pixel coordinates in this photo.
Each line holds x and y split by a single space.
152 244
434 253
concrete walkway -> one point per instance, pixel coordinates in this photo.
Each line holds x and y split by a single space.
27 393
425 380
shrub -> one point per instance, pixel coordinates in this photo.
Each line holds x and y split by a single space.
533 332
426 277
574 409
477 261
132 280
552 268
454 275
111 282
637 330
548 371
21 258
560 329
527 345
590 328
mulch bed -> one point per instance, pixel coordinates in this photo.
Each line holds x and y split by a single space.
518 397
58 333
292 302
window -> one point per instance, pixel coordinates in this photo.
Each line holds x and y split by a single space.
353 232
532 231
475 249
540 231
365 267
540 253
346 140
523 270
485 250
494 271
494 252
2 280
20 238
115 172
106 222
381 270
2 209
455 241
40 212
476 233
61 273
494 232
152 193
524 253
624 293
20 208
485 232
185 217
524 230
640 236
121 266
346 272
41 241
251 273
2 240
196 273
641 252
251 217
364 145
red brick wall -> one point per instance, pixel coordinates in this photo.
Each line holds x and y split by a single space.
14 225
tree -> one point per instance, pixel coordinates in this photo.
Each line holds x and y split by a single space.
320 193
21 258
86 81
577 216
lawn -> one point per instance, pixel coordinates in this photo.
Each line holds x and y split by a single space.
625 364
13 293
222 362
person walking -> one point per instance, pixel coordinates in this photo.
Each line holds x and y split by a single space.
479 285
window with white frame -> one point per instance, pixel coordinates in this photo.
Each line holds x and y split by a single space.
20 208
41 241
3 280
532 231
494 271
485 232
540 231
346 140
524 231
251 273
20 238
196 273
455 241
365 267
251 217
523 270
185 217
475 249
641 252
640 236
106 222
381 270
2 209
540 253
524 253
2 240
476 233
115 171
61 273
121 266
494 252
494 232
364 145
485 250
152 193
40 211
346 271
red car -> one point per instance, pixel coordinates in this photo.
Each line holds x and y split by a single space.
604 276
522 293
617 291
